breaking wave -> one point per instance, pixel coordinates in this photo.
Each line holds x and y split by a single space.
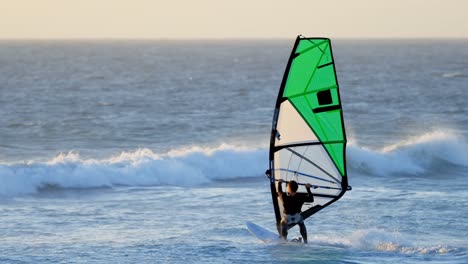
196 166
414 156
182 167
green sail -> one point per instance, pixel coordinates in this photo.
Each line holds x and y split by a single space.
312 88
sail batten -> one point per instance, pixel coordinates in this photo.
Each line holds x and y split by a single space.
308 140
306 175
316 90
317 166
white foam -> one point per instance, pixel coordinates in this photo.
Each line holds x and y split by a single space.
195 166
380 240
453 74
184 167
411 156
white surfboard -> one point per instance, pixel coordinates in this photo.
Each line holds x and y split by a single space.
267 236
263 234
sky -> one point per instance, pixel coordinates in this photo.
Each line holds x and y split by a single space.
201 19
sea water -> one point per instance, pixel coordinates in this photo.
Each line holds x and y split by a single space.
154 152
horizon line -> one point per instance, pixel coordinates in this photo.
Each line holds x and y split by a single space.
221 38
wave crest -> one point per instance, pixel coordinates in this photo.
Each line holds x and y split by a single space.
195 166
183 167
413 156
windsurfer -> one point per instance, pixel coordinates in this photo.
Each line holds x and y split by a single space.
292 205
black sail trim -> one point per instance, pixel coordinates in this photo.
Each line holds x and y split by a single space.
325 65
280 147
326 108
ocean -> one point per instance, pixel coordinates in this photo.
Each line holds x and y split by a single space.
153 151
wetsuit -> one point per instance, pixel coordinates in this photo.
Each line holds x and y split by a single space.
292 211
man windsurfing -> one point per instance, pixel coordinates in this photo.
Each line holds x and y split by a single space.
292 205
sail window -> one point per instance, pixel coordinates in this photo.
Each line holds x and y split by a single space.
324 97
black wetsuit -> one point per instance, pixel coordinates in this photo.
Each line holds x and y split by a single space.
293 204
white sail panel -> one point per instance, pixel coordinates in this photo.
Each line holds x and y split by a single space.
309 164
291 127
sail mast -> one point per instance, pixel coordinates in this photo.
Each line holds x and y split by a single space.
273 133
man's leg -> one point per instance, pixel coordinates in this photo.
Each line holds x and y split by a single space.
303 231
284 228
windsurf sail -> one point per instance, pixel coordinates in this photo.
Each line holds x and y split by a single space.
308 140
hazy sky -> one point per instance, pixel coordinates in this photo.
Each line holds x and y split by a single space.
233 18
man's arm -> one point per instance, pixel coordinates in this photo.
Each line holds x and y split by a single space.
310 196
280 189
